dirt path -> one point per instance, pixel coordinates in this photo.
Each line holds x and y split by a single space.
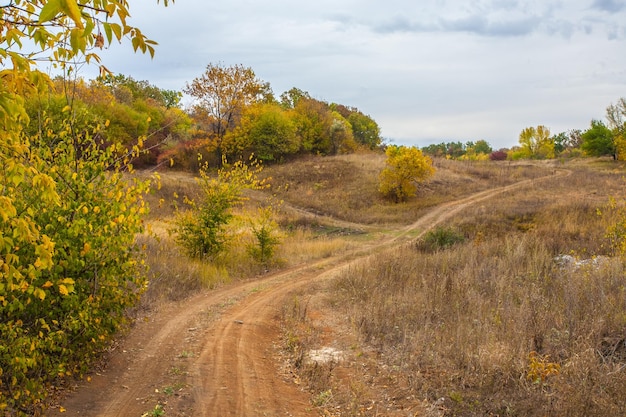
215 354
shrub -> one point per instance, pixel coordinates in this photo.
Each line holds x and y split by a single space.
201 230
440 238
266 238
81 275
498 156
405 169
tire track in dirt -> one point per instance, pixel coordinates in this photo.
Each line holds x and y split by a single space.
233 330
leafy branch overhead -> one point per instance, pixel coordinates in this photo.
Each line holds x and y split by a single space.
66 30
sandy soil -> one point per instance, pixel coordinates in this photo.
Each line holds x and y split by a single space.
216 354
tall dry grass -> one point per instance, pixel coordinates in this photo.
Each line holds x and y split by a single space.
462 323
499 324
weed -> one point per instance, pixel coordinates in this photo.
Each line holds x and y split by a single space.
174 370
440 238
323 398
540 368
157 411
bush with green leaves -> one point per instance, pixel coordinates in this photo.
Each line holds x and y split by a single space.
200 230
266 238
440 238
68 217
63 308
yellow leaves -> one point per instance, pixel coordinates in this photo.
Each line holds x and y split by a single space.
63 290
7 209
44 252
540 368
39 293
405 168
86 249
66 286
48 284
53 8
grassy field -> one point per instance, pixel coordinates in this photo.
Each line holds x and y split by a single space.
484 316
515 307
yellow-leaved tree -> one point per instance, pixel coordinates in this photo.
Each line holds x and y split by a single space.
536 143
406 168
68 218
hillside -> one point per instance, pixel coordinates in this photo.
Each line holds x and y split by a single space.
450 304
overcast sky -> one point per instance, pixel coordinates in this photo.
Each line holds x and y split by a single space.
427 71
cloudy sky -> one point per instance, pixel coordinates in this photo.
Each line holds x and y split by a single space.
427 71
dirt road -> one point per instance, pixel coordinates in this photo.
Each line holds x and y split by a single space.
215 354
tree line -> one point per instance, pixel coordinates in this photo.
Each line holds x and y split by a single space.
233 115
601 138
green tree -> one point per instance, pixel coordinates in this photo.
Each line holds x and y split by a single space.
201 229
365 130
616 115
265 130
341 137
455 149
598 140
313 119
560 142
406 168
438 150
143 90
482 146
289 99
266 236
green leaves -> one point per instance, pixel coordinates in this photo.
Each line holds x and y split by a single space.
54 8
49 11
201 230
68 221
68 272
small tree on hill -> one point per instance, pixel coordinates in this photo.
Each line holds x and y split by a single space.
406 169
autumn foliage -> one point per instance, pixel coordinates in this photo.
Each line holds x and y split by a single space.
68 216
405 169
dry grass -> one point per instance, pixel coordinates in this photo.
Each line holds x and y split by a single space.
454 331
449 332
173 276
346 186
